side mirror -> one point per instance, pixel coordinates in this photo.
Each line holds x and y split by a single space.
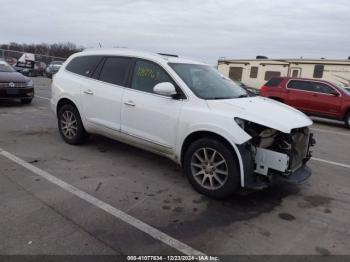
334 93
165 89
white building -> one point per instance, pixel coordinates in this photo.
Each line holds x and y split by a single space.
256 72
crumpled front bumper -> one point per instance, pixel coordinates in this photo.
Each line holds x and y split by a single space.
299 175
271 166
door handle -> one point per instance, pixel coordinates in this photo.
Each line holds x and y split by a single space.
129 103
88 92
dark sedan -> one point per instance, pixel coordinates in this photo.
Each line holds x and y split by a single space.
14 85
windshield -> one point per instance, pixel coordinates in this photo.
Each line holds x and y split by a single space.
6 68
208 83
343 87
346 89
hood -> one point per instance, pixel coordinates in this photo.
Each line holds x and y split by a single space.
6 77
263 111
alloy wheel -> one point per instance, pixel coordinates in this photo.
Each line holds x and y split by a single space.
209 168
69 124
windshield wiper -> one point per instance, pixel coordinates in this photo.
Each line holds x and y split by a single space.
241 96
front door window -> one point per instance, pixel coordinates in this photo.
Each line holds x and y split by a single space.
147 75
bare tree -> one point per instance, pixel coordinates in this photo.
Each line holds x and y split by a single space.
63 50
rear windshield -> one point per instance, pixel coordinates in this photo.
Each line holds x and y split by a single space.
274 82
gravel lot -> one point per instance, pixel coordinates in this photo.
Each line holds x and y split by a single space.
39 217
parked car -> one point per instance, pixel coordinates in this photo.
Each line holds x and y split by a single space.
37 70
14 85
53 68
184 110
314 97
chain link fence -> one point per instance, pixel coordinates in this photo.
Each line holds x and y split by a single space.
38 67
12 57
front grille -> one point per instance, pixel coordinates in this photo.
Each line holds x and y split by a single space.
13 84
300 144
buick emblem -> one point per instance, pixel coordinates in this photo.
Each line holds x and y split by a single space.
11 84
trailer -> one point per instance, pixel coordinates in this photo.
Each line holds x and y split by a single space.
256 72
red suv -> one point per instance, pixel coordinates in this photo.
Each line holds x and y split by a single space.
314 97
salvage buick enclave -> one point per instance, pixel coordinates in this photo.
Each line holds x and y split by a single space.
184 110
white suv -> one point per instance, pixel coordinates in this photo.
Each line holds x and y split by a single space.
184 110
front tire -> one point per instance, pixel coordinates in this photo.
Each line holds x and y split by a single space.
347 120
212 168
70 125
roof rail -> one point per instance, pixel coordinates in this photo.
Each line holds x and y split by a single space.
168 55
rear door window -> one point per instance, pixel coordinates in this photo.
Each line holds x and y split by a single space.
97 71
83 65
116 70
301 85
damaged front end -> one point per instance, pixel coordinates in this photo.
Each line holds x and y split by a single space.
272 154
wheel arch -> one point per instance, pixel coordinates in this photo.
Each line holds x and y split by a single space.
64 101
346 112
195 135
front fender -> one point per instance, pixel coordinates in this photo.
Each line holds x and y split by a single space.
235 138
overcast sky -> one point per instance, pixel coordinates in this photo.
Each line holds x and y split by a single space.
202 29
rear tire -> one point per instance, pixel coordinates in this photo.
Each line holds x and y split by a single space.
212 168
70 125
26 101
347 120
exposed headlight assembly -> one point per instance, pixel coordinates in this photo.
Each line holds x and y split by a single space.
240 122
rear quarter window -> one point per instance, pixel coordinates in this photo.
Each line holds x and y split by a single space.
83 65
274 82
